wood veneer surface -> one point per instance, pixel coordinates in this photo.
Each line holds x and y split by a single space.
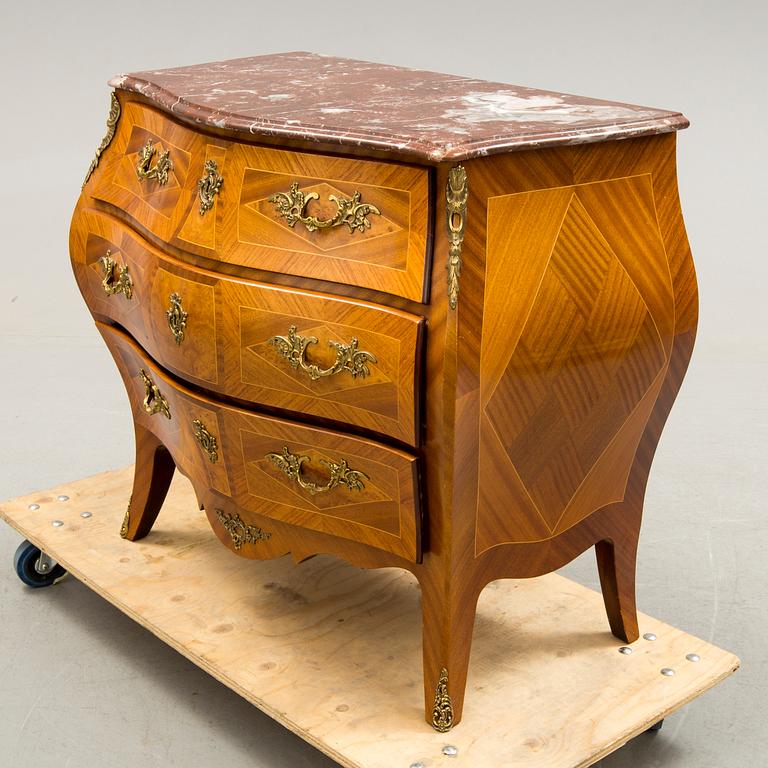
244 228
381 513
226 346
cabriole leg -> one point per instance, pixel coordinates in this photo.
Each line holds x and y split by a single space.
151 479
616 559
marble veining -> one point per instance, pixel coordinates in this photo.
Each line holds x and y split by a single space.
426 115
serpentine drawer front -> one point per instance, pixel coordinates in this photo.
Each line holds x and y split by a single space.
356 222
324 481
343 360
407 319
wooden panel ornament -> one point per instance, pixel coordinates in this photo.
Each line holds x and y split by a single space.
456 194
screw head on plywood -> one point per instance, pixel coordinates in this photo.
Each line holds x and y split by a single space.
668 672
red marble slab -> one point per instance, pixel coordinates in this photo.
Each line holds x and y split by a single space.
426 115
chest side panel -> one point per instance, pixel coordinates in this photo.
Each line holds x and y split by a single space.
577 333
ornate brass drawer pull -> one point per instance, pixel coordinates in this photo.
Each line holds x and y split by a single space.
240 532
111 284
348 357
177 318
161 169
154 402
293 204
290 464
207 441
209 186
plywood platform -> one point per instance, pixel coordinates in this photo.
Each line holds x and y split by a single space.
334 653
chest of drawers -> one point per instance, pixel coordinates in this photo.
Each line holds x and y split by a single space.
403 318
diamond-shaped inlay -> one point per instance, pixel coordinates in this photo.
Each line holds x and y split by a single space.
162 198
576 374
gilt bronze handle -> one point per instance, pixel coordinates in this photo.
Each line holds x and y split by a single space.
209 186
292 206
154 402
348 357
112 284
163 166
290 464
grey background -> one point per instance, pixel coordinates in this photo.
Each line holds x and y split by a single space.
80 684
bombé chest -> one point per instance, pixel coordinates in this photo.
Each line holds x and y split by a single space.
400 317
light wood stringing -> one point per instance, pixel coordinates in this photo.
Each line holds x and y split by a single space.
571 366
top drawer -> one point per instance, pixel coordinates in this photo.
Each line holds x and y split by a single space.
356 222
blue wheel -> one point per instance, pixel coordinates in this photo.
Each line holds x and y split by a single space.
27 567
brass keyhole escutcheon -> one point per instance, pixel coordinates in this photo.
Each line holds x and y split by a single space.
209 186
207 441
177 318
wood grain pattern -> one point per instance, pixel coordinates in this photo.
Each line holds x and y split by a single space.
570 371
244 228
332 652
226 345
382 513
389 256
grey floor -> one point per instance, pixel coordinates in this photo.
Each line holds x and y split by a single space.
81 686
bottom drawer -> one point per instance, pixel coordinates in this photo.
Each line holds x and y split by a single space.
313 478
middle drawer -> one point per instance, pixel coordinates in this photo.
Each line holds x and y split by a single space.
349 361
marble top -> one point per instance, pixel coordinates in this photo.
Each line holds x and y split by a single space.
427 115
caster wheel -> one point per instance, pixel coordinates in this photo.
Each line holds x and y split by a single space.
29 570
655 727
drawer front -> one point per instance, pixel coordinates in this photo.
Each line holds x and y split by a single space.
356 222
351 362
347 487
